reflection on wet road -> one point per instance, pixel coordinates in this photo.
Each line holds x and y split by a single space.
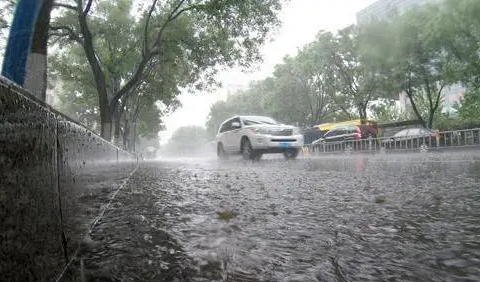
357 218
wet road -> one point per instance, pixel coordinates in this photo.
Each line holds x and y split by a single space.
356 218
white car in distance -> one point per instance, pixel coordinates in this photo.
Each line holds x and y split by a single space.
253 136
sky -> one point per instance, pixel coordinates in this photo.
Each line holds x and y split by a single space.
302 19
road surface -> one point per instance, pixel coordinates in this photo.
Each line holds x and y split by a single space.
357 218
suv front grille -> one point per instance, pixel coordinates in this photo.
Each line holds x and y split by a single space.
283 132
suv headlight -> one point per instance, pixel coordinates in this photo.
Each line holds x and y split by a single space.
260 130
296 131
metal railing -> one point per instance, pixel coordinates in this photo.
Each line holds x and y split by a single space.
469 138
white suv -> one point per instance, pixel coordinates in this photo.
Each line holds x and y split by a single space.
253 136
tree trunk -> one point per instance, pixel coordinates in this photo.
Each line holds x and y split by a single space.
105 119
136 113
415 110
118 112
103 103
434 106
362 111
36 72
430 118
117 123
117 118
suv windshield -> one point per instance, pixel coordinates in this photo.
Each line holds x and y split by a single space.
258 120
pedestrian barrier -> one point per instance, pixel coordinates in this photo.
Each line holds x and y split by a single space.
55 175
458 139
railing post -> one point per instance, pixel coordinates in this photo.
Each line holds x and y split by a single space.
478 139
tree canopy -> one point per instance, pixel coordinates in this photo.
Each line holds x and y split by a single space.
359 71
121 66
181 44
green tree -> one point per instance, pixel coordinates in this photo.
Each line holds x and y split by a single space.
422 67
6 12
305 85
469 107
74 87
456 26
361 74
387 112
3 22
160 82
208 33
78 97
218 113
311 88
244 102
459 30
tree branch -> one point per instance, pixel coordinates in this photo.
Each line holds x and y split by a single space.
343 73
439 93
66 6
171 17
429 93
99 75
414 107
87 8
150 53
145 31
340 104
69 31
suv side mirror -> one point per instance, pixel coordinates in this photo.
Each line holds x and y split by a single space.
235 124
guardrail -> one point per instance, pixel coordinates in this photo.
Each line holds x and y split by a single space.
55 176
440 141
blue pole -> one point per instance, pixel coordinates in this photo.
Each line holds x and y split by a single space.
20 39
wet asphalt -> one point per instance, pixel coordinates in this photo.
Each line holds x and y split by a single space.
402 217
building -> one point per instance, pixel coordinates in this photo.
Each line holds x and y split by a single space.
452 94
384 9
403 102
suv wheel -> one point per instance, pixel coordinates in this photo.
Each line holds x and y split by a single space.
247 151
221 152
257 156
291 154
